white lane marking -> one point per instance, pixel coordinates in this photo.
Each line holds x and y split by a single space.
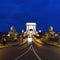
30 48
36 53
23 54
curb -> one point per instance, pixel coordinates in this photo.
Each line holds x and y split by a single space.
3 47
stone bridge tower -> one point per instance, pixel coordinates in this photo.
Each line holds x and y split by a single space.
30 28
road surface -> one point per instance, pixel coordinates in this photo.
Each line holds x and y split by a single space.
30 52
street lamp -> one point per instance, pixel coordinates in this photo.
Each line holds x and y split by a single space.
29 39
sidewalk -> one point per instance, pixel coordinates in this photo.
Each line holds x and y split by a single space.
1 46
12 44
9 44
52 43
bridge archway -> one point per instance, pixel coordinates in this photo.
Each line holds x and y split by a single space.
31 28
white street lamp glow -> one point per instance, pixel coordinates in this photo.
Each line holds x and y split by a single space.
29 40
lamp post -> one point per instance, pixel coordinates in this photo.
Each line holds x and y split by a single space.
3 40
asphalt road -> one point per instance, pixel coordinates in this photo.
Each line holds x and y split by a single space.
30 52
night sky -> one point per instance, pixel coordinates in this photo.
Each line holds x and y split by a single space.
18 12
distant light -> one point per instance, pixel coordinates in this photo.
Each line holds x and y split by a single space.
29 40
8 35
15 38
56 34
39 30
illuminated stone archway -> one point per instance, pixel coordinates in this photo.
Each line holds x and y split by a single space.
31 28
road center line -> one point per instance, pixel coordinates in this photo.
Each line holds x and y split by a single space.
30 48
36 53
23 54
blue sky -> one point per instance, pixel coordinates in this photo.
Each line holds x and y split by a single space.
18 12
